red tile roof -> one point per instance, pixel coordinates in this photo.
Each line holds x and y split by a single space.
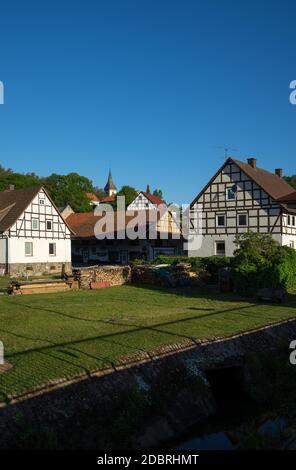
92 197
154 199
109 198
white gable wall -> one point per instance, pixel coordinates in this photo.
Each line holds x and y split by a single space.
263 214
32 227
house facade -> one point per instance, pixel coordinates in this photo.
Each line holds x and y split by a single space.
241 197
34 238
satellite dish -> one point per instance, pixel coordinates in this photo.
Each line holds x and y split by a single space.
234 188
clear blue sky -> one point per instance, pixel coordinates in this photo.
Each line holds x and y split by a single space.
149 88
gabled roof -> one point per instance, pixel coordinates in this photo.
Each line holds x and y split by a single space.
154 199
275 186
13 203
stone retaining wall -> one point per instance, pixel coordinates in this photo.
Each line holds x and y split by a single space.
38 269
144 401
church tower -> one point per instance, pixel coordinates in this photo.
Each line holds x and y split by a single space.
110 188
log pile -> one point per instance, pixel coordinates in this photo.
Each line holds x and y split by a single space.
38 287
101 276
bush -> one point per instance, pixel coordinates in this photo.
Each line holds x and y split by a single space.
210 264
261 262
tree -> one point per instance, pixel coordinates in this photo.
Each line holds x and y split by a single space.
291 180
99 192
129 193
258 262
158 193
148 189
69 189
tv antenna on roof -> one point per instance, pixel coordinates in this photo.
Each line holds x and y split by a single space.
226 150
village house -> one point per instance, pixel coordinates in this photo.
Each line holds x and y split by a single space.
238 198
87 249
34 238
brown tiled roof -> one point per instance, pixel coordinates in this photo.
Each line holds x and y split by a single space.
92 197
291 197
275 186
109 198
83 224
12 205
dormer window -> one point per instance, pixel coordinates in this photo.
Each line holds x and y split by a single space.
231 193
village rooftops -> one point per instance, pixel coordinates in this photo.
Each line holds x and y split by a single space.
272 183
13 202
83 223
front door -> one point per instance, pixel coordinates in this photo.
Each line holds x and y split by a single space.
85 255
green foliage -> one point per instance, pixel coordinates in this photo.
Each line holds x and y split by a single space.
260 261
129 193
210 264
291 180
63 189
158 193
69 189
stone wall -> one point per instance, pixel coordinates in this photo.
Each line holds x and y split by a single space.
141 402
111 275
37 269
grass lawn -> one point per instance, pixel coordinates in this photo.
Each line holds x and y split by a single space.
51 336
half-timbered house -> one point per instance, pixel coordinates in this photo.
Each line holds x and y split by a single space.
241 197
34 237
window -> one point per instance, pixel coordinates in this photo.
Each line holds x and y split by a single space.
35 224
28 248
41 202
292 244
220 248
289 220
242 220
293 220
221 218
52 249
231 193
48 225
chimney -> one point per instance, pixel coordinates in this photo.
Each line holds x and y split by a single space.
252 162
279 172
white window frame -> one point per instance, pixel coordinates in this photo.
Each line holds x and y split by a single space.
247 219
34 219
30 244
55 249
217 218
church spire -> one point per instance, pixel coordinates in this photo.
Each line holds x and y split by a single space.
110 187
